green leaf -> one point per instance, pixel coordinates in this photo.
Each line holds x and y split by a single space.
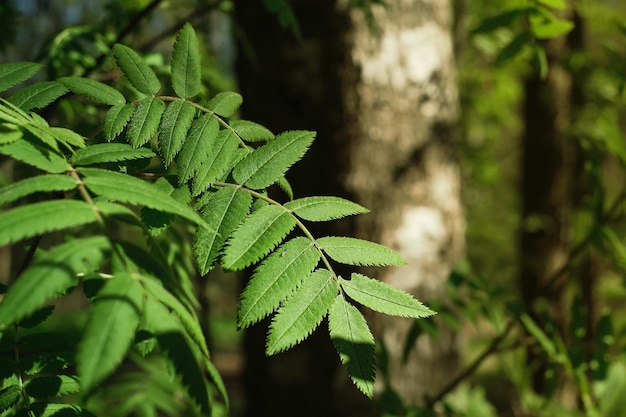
555 4
257 236
37 184
38 317
36 219
38 95
354 342
352 251
268 163
138 73
145 121
221 150
514 47
51 386
225 104
40 362
67 136
94 90
186 71
109 152
302 312
251 131
173 129
187 318
9 133
110 331
501 20
226 209
552 29
318 209
43 409
178 353
116 119
14 73
121 187
286 187
198 147
9 396
543 339
383 298
36 156
50 276
276 279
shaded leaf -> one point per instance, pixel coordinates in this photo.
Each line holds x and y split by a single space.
302 312
257 236
173 129
138 73
94 90
15 72
198 147
186 75
38 317
501 20
225 104
354 342
116 119
324 208
227 207
110 330
352 251
43 409
276 279
109 152
9 396
382 297
514 47
38 96
51 386
145 121
36 156
268 163
9 133
36 184
40 362
221 151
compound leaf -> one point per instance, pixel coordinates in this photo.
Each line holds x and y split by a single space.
173 129
302 312
354 342
116 119
94 90
145 121
186 75
37 96
198 147
37 184
225 104
268 163
352 251
38 218
227 207
50 276
318 209
138 73
221 150
257 236
15 72
110 331
383 298
109 152
276 279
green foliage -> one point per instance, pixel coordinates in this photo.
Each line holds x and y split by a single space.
81 202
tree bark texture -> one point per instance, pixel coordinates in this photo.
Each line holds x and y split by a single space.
383 100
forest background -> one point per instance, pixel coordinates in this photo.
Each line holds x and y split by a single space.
531 128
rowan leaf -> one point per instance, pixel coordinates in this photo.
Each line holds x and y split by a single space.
221 150
198 146
35 219
145 121
9 396
318 209
186 74
382 297
50 276
128 189
302 312
173 129
37 156
94 90
354 342
259 233
37 96
116 119
109 152
50 386
268 163
13 73
110 331
138 73
226 209
352 251
37 184
276 278
225 104
251 131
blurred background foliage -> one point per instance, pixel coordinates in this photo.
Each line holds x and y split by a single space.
501 44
